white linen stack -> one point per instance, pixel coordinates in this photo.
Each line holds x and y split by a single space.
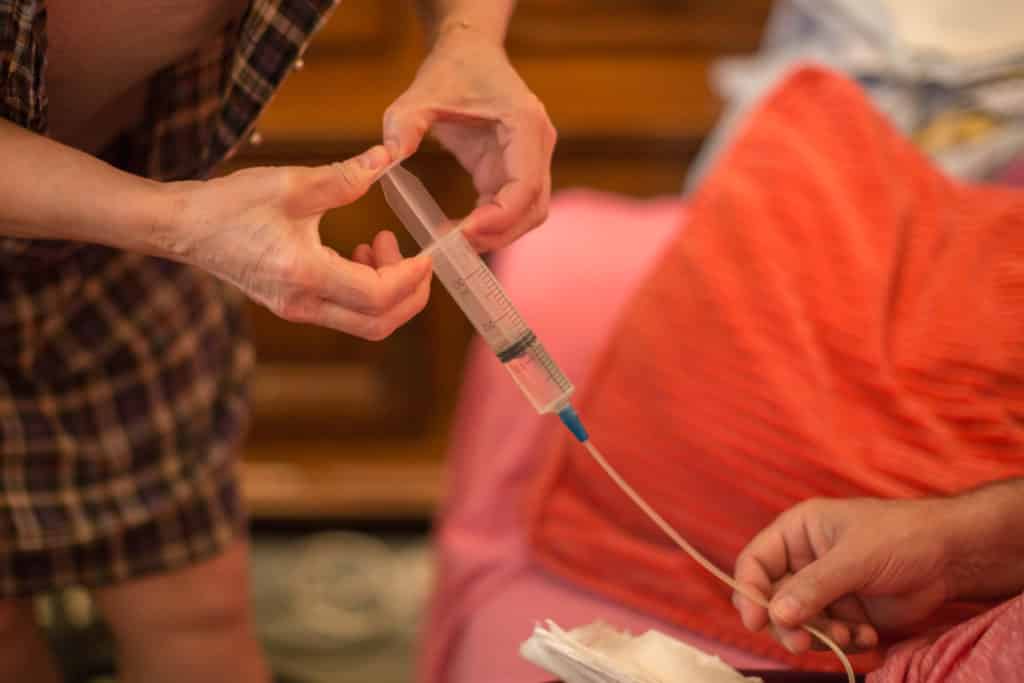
598 653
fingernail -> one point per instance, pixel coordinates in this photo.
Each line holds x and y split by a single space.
786 609
374 158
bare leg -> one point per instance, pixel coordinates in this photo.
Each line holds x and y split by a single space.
24 655
190 625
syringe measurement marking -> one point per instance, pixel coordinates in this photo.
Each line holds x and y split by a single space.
492 299
462 282
491 289
554 373
492 292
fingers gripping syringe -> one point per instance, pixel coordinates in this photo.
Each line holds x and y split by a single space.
477 291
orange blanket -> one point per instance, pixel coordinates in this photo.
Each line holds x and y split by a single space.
837 319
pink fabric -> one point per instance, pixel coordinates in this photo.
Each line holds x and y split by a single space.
569 279
986 649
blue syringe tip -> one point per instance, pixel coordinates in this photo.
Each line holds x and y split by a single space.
571 420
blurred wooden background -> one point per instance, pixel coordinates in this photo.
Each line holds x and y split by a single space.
344 428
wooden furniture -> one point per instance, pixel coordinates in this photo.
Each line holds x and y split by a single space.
353 429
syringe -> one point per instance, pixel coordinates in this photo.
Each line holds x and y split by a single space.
477 291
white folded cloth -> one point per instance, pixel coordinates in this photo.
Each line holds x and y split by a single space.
598 653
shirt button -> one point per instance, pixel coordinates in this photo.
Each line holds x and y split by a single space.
299 64
256 139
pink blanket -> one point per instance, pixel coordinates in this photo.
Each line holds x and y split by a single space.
986 649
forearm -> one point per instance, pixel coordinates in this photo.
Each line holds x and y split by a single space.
51 191
986 549
488 19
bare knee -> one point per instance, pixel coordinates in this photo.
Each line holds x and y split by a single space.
221 604
203 599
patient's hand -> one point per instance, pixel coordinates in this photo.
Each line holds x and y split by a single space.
851 567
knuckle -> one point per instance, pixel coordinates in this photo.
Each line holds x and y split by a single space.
296 308
537 112
395 112
376 329
816 504
534 108
786 516
375 301
401 117
743 562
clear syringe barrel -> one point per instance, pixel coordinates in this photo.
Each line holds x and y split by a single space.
477 291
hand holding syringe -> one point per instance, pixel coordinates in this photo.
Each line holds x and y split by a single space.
477 291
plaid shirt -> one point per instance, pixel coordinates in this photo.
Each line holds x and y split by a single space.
122 377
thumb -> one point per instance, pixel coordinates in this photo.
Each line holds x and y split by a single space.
317 189
808 592
404 130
